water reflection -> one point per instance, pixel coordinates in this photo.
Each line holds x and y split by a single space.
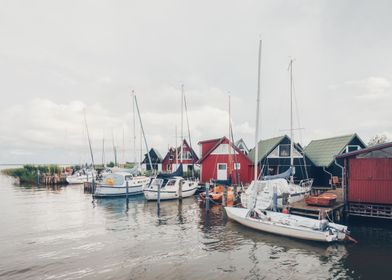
63 233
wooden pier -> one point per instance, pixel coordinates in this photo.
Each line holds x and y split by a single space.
334 213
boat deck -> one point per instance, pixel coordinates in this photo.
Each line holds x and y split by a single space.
335 212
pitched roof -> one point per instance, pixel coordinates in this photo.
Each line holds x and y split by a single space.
266 147
367 150
218 142
323 151
239 142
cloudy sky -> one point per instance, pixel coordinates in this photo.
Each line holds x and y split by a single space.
59 58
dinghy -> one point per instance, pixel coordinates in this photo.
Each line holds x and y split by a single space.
288 225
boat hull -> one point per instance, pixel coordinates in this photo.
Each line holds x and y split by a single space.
113 191
240 215
168 195
325 200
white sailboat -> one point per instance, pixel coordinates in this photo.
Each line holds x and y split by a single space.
123 182
173 186
279 223
288 225
260 192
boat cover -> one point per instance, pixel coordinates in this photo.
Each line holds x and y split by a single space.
178 172
289 172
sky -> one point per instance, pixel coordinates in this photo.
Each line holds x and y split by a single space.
62 58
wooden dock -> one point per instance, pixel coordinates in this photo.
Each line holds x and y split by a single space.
334 213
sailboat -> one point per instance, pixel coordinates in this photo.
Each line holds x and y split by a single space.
123 182
172 186
280 223
260 192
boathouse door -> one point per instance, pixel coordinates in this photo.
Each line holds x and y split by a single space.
222 171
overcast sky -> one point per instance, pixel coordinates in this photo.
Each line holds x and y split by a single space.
61 57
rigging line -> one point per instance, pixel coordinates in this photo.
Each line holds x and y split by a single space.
300 132
235 155
189 135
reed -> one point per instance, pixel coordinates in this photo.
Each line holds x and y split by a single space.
28 173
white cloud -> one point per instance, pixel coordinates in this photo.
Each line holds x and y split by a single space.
372 87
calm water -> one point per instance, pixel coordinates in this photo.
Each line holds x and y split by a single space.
59 233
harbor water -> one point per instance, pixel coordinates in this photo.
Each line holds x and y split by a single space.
61 233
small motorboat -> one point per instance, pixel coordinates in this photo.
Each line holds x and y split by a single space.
121 184
325 199
170 188
216 194
81 176
289 225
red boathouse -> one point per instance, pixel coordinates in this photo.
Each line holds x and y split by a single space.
221 159
173 158
368 181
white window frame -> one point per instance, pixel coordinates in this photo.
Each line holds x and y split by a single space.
237 166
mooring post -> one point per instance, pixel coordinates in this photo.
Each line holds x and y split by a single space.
180 189
38 174
207 196
275 200
224 200
127 190
159 200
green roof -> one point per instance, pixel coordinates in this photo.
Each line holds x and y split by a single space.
265 147
322 152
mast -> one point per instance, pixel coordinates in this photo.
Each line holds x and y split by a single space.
103 151
144 135
182 123
257 113
189 135
134 125
89 141
291 121
230 159
176 154
114 150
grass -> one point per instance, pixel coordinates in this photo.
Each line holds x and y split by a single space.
28 173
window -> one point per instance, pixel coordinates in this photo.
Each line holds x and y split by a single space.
284 150
222 166
171 183
237 166
352 148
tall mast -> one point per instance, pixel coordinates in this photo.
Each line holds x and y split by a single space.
144 135
189 134
103 151
89 141
182 123
230 159
291 119
176 154
134 125
257 113
114 149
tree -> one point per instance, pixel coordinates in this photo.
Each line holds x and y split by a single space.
378 139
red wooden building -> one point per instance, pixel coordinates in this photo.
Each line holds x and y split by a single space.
189 159
221 159
368 181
